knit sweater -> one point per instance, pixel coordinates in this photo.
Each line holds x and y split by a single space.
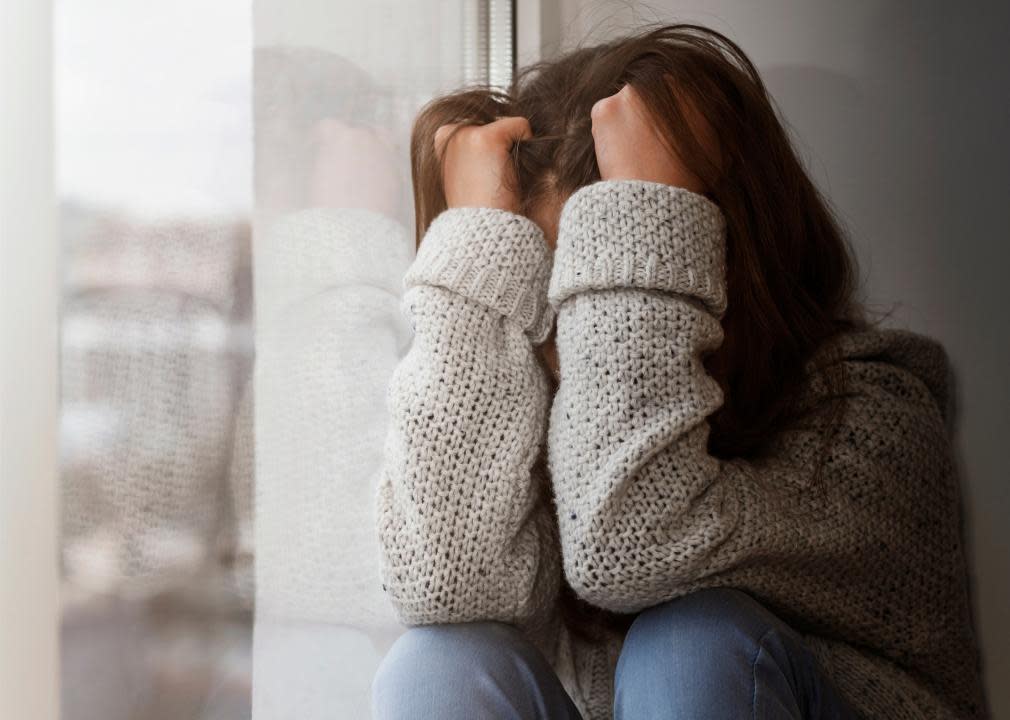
866 562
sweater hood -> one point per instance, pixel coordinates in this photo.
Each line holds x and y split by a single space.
922 355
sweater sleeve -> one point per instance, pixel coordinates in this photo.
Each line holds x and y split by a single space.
638 285
466 527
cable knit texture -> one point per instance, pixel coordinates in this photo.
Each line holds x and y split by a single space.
867 563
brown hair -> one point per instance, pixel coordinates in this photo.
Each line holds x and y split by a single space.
791 276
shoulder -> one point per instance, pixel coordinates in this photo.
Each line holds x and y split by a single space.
893 411
878 395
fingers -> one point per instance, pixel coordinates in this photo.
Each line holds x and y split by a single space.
511 128
613 107
499 133
476 168
630 144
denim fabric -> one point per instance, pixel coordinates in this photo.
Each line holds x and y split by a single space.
712 654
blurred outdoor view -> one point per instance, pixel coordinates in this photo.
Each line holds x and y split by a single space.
154 138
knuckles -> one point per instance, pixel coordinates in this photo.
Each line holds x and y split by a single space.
607 108
491 137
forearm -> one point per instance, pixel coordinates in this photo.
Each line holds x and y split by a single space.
462 516
638 286
639 502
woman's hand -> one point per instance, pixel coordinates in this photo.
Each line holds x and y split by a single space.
629 147
477 170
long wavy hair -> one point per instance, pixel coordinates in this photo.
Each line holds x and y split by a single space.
791 274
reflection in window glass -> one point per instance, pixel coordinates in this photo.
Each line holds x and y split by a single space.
337 85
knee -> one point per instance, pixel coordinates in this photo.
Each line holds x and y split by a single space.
425 658
717 628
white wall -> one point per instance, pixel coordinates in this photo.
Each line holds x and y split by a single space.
901 112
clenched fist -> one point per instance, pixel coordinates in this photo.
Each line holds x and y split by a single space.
477 171
629 147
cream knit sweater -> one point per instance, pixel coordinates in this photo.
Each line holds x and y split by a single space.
867 564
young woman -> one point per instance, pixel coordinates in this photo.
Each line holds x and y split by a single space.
648 458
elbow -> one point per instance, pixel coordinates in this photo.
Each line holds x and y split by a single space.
429 594
414 603
434 611
598 577
412 612
628 577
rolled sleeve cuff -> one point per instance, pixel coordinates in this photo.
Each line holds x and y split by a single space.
495 257
640 234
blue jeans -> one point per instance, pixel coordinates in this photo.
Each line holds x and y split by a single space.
712 654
